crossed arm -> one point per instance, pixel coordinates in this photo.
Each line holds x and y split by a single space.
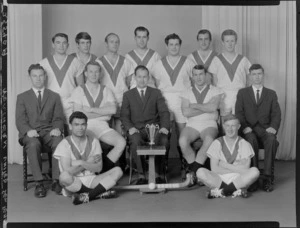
107 110
221 167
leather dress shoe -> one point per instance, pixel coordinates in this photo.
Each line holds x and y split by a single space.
253 187
40 191
56 187
194 179
141 181
160 180
268 186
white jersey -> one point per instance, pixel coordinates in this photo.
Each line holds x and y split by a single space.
231 76
198 60
114 77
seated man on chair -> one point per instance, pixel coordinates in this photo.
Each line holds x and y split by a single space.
259 113
230 158
200 106
145 105
39 120
80 158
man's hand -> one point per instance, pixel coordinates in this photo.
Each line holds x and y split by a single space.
271 130
32 133
193 105
55 132
76 162
133 130
96 158
247 130
163 131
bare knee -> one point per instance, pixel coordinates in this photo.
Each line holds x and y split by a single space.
254 172
117 173
121 143
183 142
202 174
66 179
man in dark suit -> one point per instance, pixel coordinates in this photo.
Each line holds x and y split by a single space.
39 120
145 105
259 113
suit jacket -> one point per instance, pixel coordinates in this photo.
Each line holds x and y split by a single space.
29 116
135 113
266 113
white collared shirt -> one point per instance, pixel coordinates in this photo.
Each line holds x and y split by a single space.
36 91
255 91
139 89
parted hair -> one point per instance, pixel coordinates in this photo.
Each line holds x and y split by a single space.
256 66
36 66
172 36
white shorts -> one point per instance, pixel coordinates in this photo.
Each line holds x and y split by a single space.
173 101
229 177
200 126
97 128
87 180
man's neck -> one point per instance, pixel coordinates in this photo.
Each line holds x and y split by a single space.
112 54
204 51
92 85
230 54
140 88
83 55
141 51
60 56
200 87
257 86
77 139
231 139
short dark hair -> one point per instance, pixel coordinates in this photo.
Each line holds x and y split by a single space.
230 117
200 67
60 35
77 115
35 67
229 32
256 66
94 63
140 67
110 34
204 31
172 36
82 35
141 29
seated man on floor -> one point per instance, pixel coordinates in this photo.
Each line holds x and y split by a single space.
230 158
141 106
79 157
97 102
200 106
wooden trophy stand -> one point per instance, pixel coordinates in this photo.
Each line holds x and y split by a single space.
151 151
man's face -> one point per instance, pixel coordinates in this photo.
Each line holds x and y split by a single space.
60 45
231 128
199 77
229 43
173 47
78 127
141 39
257 76
204 41
142 78
113 44
84 46
93 73
38 78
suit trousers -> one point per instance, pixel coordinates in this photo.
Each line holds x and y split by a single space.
141 139
268 140
33 147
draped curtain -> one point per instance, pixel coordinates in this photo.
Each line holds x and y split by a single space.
266 35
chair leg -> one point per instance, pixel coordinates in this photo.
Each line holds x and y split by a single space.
183 164
130 167
24 170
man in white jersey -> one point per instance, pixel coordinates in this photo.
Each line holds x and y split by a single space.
200 106
204 55
230 158
117 73
64 71
229 71
80 157
98 103
142 55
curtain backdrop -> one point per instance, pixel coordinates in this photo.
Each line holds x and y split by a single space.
266 35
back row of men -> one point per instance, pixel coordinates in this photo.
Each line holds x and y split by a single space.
184 94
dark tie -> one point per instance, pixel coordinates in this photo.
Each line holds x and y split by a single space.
40 99
257 96
143 96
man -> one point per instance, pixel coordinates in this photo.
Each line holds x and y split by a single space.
97 102
64 71
200 107
142 55
229 71
145 105
204 55
117 71
39 120
259 113
230 158
80 158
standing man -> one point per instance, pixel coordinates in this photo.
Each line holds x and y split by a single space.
259 113
116 73
98 103
229 71
141 106
200 107
64 71
230 158
143 55
39 120
80 158
204 55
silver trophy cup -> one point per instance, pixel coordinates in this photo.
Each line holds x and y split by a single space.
152 130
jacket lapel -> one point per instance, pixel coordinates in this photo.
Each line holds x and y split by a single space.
138 97
45 97
263 95
33 98
251 94
147 95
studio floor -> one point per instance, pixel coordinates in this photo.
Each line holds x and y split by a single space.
189 205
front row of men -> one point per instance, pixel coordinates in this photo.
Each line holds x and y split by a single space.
78 157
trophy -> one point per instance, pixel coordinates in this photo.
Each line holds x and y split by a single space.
152 130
